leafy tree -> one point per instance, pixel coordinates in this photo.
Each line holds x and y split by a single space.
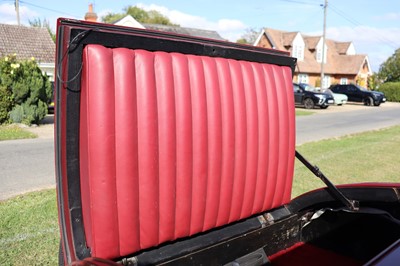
141 15
373 81
24 91
249 37
112 17
37 22
389 71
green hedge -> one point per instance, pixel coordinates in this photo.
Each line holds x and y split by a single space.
391 90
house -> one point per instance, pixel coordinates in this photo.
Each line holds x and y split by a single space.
341 63
27 43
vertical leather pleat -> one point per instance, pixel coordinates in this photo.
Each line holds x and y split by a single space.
172 145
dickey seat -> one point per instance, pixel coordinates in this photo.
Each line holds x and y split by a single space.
172 145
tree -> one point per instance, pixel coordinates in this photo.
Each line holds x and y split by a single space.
389 71
141 15
249 37
37 22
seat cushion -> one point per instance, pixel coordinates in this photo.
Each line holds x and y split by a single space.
173 144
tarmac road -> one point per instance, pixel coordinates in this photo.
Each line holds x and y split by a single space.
337 121
28 165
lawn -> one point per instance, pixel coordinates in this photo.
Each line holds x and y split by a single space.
28 224
366 157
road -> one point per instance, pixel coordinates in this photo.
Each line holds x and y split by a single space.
27 165
338 121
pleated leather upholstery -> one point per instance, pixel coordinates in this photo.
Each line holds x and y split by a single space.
172 145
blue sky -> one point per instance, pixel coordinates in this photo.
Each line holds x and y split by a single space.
373 26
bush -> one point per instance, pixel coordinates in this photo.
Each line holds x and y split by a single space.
391 90
28 91
6 103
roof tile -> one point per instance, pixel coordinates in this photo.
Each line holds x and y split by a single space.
27 42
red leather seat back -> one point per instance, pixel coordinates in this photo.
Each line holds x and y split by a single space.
172 145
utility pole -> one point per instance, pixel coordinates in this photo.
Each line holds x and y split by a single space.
17 10
323 44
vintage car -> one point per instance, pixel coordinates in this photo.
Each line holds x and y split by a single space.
175 150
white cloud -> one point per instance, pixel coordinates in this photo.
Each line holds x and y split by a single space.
230 29
9 16
388 17
377 43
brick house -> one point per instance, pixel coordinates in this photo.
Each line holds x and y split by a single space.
28 42
341 63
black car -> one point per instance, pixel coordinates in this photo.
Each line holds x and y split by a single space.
356 93
309 97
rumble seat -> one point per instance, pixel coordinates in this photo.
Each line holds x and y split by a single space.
172 145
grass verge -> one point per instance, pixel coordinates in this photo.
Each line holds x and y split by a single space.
29 229
15 132
366 157
28 224
302 113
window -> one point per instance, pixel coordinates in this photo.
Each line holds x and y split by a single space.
319 55
298 52
343 81
298 47
302 78
326 82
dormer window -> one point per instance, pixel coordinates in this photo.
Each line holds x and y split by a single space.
298 47
319 52
298 52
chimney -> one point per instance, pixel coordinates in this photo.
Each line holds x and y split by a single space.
90 15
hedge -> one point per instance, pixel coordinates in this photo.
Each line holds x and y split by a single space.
391 90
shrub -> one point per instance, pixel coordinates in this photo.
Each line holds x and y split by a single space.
30 90
6 96
6 103
391 90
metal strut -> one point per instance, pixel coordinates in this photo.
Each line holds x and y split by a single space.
335 192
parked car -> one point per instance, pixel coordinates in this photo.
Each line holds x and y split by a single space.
309 97
339 98
356 93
